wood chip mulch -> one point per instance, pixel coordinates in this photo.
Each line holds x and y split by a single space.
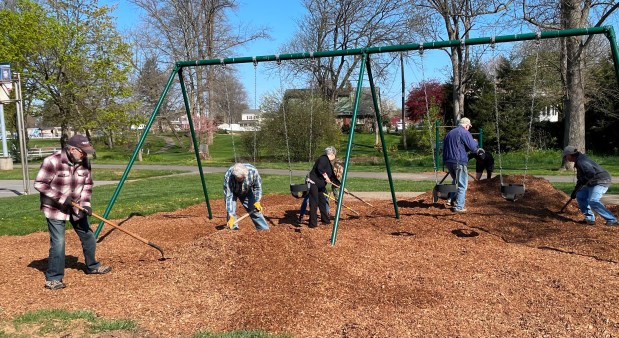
501 269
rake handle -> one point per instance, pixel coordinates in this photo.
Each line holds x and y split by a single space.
344 205
116 226
353 195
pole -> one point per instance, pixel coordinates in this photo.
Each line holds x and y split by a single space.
403 100
21 134
5 152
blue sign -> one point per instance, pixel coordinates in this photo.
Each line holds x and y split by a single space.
5 72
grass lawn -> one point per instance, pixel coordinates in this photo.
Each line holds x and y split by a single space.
100 174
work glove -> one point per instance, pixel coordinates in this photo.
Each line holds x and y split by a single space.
68 202
258 206
573 195
87 210
231 222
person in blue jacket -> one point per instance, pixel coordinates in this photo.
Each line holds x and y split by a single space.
456 146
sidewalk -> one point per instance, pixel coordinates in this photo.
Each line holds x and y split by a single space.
15 187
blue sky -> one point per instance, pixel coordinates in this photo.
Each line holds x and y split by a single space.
281 17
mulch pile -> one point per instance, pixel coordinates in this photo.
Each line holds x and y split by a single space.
501 269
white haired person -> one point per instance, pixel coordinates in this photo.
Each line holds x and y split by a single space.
456 146
65 178
242 181
592 182
321 174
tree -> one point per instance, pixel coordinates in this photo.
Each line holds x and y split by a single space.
285 127
23 24
197 29
345 24
458 18
82 70
571 14
420 98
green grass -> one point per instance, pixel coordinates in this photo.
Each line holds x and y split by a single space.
55 321
364 157
102 174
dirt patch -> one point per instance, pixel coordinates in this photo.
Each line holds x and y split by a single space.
501 269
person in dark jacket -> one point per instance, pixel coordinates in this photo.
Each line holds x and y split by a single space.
456 145
321 174
483 161
592 182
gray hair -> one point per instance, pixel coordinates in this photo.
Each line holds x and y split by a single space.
240 170
330 151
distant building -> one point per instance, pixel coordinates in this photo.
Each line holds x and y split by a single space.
549 114
250 119
344 105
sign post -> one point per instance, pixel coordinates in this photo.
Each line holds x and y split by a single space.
6 85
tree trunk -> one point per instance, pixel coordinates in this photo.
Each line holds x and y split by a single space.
574 97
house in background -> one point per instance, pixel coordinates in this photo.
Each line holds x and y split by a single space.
344 105
250 119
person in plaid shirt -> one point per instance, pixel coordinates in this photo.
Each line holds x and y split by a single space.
243 181
65 178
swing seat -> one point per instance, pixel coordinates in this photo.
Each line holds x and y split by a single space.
299 190
442 191
512 192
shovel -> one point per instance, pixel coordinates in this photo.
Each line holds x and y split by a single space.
116 226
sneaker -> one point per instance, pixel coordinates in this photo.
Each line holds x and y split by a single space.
54 284
450 203
611 223
101 270
458 211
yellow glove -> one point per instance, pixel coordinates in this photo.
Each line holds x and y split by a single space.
231 222
258 206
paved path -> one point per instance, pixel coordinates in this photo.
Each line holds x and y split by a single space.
15 187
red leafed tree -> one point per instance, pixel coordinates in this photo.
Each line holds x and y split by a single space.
416 99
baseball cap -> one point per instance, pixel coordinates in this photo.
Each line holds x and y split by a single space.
81 142
569 150
465 122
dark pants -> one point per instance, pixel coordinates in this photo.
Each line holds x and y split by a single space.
317 200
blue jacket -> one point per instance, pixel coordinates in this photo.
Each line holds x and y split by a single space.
456 145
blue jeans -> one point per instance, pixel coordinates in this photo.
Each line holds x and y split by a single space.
460 177
589 200
56 259
248 203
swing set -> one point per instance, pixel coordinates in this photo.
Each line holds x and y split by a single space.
365 65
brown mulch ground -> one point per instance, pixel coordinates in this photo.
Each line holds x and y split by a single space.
502 269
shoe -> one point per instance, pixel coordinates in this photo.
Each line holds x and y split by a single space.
101 270
611 223
458 211
450 203
54 284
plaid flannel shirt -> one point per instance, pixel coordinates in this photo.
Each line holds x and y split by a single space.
59 179
232 188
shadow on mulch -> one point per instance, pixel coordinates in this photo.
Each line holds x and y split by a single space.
71 262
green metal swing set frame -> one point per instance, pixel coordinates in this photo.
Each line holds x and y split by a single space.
365 53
